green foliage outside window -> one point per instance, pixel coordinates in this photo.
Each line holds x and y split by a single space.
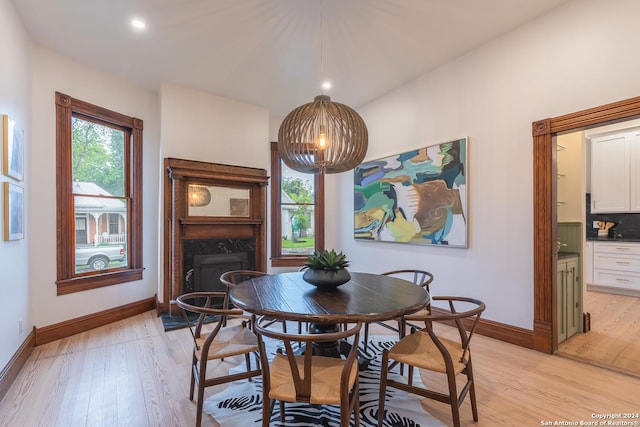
301 192
98 155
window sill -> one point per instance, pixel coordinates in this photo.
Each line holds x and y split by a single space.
79 284
289 261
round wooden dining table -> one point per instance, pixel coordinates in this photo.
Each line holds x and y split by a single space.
366 297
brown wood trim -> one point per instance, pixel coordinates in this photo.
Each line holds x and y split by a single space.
289 260
500 331
621 110
545 209
11 371
85 283
68 281
81 324
179 226
545 212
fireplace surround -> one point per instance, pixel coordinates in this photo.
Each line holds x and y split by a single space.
203 239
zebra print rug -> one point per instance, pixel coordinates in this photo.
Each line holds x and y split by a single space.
240 404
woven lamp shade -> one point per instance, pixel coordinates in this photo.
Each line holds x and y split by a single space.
322 137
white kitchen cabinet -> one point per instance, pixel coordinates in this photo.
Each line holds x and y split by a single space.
568 298
615 170
616 268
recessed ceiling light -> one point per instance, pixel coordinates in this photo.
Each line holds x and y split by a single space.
326 85
138 24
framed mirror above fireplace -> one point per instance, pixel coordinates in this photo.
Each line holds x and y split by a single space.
216 222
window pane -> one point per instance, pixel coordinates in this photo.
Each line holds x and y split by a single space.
297 187
100 230
297 229
297 208
97 159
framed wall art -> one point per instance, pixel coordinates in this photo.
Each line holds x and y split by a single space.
417 197
13 211
12 148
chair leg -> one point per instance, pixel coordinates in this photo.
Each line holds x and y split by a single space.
193 377
282 412
402 325
453 399
199 404
366 336
472 390
356 406
383 385
266 410
409 375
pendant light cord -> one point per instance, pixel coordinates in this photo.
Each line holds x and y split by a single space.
321 48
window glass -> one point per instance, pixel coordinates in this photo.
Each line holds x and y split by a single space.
98 189
297 212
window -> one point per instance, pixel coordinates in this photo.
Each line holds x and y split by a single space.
297 213
99 196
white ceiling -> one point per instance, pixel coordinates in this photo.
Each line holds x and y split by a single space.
271 52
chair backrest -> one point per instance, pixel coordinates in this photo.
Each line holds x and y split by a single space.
419 277
203 304
301 372
465 321
233 277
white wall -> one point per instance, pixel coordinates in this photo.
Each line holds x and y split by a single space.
15 100
571 177
577 57
201 126
53 72
197 125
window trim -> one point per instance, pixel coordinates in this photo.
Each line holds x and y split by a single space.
67 281
277 258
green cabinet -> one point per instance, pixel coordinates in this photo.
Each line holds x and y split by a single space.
568 298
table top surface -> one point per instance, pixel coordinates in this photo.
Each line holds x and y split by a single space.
367 297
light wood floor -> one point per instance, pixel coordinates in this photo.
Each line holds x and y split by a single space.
614 339
132 373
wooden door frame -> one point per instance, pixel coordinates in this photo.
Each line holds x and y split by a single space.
545 209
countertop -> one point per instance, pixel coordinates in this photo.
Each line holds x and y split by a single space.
611 239
563 255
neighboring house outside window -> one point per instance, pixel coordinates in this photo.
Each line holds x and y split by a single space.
297 213
99 196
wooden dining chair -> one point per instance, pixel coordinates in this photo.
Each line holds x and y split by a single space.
300 376
427 350
233 277
420 278
218 343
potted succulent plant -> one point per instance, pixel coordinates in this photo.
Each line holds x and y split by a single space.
326 269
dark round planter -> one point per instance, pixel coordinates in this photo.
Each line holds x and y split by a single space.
326 280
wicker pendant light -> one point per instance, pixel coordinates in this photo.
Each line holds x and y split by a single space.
322 137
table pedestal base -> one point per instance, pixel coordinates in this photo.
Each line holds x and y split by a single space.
333 348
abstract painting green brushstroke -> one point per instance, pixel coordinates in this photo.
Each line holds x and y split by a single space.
415 197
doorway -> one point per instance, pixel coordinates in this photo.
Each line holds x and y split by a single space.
614 317
545 209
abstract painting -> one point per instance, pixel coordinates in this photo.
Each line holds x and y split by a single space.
417 197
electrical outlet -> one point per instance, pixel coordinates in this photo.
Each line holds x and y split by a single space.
20 326
595 224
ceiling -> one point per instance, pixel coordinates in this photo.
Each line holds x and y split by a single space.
274 53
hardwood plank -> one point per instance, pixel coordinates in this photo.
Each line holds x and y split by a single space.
132 373
612 342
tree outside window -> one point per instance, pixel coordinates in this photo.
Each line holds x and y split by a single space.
297 209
